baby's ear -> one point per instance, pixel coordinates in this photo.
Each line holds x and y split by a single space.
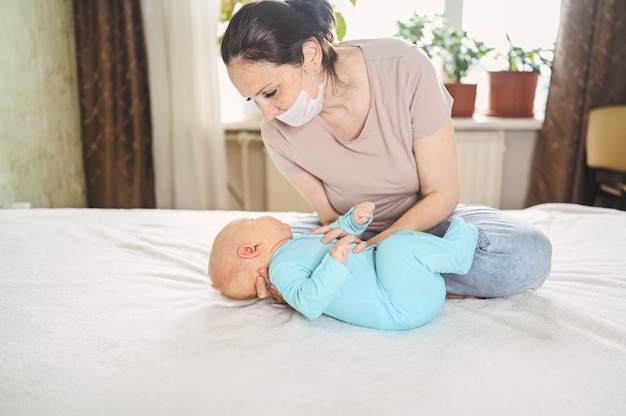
249 250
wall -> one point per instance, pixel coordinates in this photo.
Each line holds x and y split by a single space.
40 150
518 163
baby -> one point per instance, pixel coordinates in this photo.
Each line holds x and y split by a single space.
393 285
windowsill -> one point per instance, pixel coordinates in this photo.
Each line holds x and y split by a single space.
247 123
478 122
481 122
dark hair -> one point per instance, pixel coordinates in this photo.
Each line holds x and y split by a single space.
274 31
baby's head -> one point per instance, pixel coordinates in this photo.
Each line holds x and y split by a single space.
240 249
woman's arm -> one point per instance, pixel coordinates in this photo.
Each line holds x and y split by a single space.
312 189
438 172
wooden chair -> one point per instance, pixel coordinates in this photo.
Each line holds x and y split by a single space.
606 152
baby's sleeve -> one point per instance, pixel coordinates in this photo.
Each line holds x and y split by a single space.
310 292
349 224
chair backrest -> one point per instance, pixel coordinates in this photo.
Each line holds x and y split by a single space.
606 138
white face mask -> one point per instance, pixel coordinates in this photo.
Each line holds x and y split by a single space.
304 109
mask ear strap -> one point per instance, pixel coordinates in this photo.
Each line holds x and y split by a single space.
317 76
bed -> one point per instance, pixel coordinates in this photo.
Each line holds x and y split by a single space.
110 312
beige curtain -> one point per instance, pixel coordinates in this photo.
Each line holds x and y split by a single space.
587 72
188 136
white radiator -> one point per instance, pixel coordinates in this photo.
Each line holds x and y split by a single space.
481 156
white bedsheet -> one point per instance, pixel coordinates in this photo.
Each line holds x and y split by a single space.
110 312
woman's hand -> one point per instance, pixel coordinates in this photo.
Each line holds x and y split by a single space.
330 234
324 229
265 288
338 233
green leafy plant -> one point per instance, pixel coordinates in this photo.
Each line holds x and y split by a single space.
341 28
229 7
531 60
438 38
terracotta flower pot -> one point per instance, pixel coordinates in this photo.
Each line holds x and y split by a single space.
464 99
512 93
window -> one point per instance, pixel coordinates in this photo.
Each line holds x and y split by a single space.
375 18
529 23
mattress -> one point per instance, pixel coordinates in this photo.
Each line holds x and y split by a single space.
111 312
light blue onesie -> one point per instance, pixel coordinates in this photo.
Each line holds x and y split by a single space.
393 285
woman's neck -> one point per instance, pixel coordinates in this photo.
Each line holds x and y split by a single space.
349 79
347 98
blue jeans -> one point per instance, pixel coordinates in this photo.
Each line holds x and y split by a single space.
511 257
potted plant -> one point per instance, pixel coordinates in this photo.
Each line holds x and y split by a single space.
512 91
456 51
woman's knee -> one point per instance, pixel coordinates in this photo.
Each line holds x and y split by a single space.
506 264
539 257
528 260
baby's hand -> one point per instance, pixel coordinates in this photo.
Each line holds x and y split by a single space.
341 248
363 212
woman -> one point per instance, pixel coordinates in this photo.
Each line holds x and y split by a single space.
369 120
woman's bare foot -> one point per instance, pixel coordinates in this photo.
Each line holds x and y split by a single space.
453 296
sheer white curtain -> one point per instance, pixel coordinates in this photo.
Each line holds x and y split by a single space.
188 136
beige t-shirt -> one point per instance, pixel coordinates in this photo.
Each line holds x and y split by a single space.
408 102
